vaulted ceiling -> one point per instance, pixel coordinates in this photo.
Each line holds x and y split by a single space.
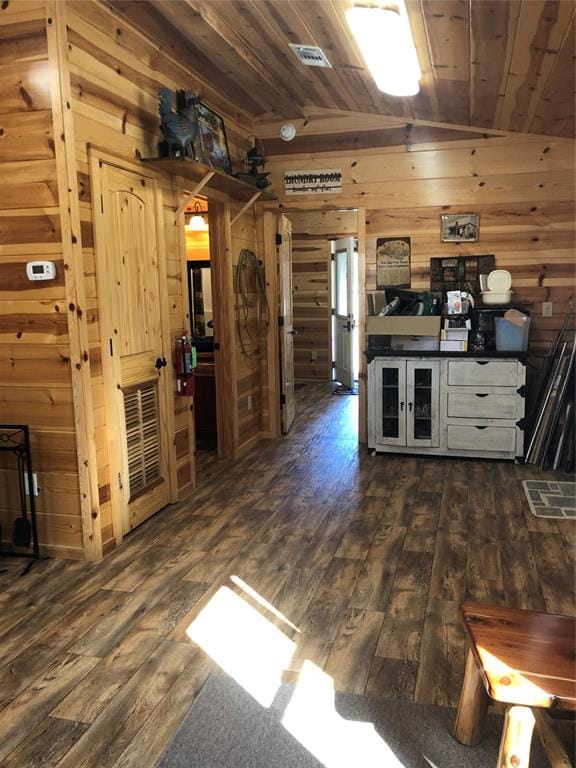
493 64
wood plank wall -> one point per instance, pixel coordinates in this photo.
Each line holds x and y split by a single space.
250 367
311 288
522 187
115 79
35 379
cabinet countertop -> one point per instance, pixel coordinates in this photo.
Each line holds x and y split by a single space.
370 354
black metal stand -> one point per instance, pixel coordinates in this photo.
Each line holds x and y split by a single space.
15 439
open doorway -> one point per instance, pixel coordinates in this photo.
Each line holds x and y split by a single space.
345 312
201 298
325 345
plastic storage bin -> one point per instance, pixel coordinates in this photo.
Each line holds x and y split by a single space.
511 337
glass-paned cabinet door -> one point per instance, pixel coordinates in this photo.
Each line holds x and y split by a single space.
390 401
423 403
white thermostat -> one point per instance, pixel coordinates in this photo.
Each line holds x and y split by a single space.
41 270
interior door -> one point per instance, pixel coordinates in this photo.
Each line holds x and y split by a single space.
344 319
286 329
133 349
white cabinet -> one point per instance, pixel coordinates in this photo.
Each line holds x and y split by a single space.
404 403
447 406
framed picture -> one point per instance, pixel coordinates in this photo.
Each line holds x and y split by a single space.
393 262
210 144
460 227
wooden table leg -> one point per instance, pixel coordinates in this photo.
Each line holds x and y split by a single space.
555 752
472 706
516 738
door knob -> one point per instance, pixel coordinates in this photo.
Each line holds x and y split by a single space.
160 363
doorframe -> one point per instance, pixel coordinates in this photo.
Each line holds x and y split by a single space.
270 216
97 158
220 241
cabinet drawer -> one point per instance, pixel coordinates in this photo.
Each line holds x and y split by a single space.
483 372
478 439
481 406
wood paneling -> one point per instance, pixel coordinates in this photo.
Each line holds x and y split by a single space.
522 187
497 64
36 380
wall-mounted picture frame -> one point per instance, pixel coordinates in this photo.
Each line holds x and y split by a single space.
460 227
393 262
210 144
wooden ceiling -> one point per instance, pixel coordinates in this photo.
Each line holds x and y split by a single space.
495 64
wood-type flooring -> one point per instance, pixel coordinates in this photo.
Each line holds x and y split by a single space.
360 561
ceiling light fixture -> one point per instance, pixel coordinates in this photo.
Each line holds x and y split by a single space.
385 41
197 223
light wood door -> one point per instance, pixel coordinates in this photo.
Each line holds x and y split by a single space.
344 319
286 329
133 347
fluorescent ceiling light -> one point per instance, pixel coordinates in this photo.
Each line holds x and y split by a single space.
385 41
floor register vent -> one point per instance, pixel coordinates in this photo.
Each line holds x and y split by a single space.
311 55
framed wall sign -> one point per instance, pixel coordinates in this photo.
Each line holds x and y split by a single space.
393 262
460 227
210 144
313 181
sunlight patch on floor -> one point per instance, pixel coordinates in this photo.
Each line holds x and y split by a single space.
262 601
254 652
311 717
244 643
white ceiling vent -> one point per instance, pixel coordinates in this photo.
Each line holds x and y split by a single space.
311 55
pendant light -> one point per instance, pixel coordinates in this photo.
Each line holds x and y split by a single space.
197 222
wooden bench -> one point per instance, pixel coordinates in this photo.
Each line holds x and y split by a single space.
527 660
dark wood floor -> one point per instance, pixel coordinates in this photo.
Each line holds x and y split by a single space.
366 557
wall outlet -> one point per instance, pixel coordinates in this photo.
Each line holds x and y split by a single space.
34 484
313 355
546 309
249 402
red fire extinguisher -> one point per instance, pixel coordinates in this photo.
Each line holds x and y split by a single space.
185 364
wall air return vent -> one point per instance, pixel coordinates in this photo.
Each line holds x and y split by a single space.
311 55
143 437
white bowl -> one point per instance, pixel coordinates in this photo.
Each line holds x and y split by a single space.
496 297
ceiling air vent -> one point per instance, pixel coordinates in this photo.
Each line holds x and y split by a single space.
311 55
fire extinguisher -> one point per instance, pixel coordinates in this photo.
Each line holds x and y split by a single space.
185 364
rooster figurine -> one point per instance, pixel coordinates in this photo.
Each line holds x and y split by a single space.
179 128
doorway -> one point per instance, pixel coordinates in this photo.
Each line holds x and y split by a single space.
345 312
201 300
315 331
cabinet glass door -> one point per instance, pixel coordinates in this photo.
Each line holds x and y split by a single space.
391 403
423 403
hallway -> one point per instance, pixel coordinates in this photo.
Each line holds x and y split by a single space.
362 559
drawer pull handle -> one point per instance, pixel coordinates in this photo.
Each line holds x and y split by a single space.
482 362
480 427
479 395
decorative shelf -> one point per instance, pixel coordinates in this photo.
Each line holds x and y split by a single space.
196 172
